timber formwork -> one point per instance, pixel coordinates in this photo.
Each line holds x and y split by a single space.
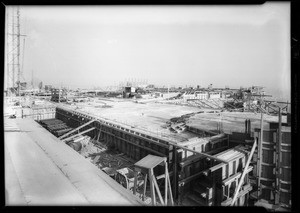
137 145
272 166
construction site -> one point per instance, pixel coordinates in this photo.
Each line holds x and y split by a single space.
143 145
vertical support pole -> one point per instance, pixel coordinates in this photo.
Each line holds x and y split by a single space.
260 155
99 134
214 187
153 199
166 183
170 190
135 182
175 172
145 186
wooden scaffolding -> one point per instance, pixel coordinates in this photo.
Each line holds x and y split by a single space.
146 166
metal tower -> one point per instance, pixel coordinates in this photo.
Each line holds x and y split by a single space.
13 52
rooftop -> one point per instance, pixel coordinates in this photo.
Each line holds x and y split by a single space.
42 170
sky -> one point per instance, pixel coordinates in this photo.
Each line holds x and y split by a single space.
98 46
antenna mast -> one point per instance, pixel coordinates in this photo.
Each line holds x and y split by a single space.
13 68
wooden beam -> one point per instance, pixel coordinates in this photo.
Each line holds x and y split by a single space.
170 190
157 190
190 178
244 173
135 182
153 199
233 177
99 134
199 153
196 158
166 183
88 130
175 172
145 187
74 130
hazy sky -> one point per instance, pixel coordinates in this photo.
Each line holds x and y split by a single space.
167 45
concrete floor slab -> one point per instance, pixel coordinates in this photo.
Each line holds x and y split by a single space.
51 173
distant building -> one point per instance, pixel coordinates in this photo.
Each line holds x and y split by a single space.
48 87
158 94
200 95
58 95
214 95
128 92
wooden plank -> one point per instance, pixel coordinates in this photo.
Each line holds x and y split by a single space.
96 159
78 134
74 130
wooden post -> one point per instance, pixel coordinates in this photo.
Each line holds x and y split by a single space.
99 134
135 182
166 183
145 186
170 190
153 199
175 172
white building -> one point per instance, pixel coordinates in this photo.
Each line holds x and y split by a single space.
214 95
200 95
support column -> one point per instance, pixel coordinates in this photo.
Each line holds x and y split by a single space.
175 172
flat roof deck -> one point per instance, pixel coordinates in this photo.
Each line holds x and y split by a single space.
147 116
42 170
231 121
153 116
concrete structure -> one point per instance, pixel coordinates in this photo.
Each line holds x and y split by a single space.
42 170
194 154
